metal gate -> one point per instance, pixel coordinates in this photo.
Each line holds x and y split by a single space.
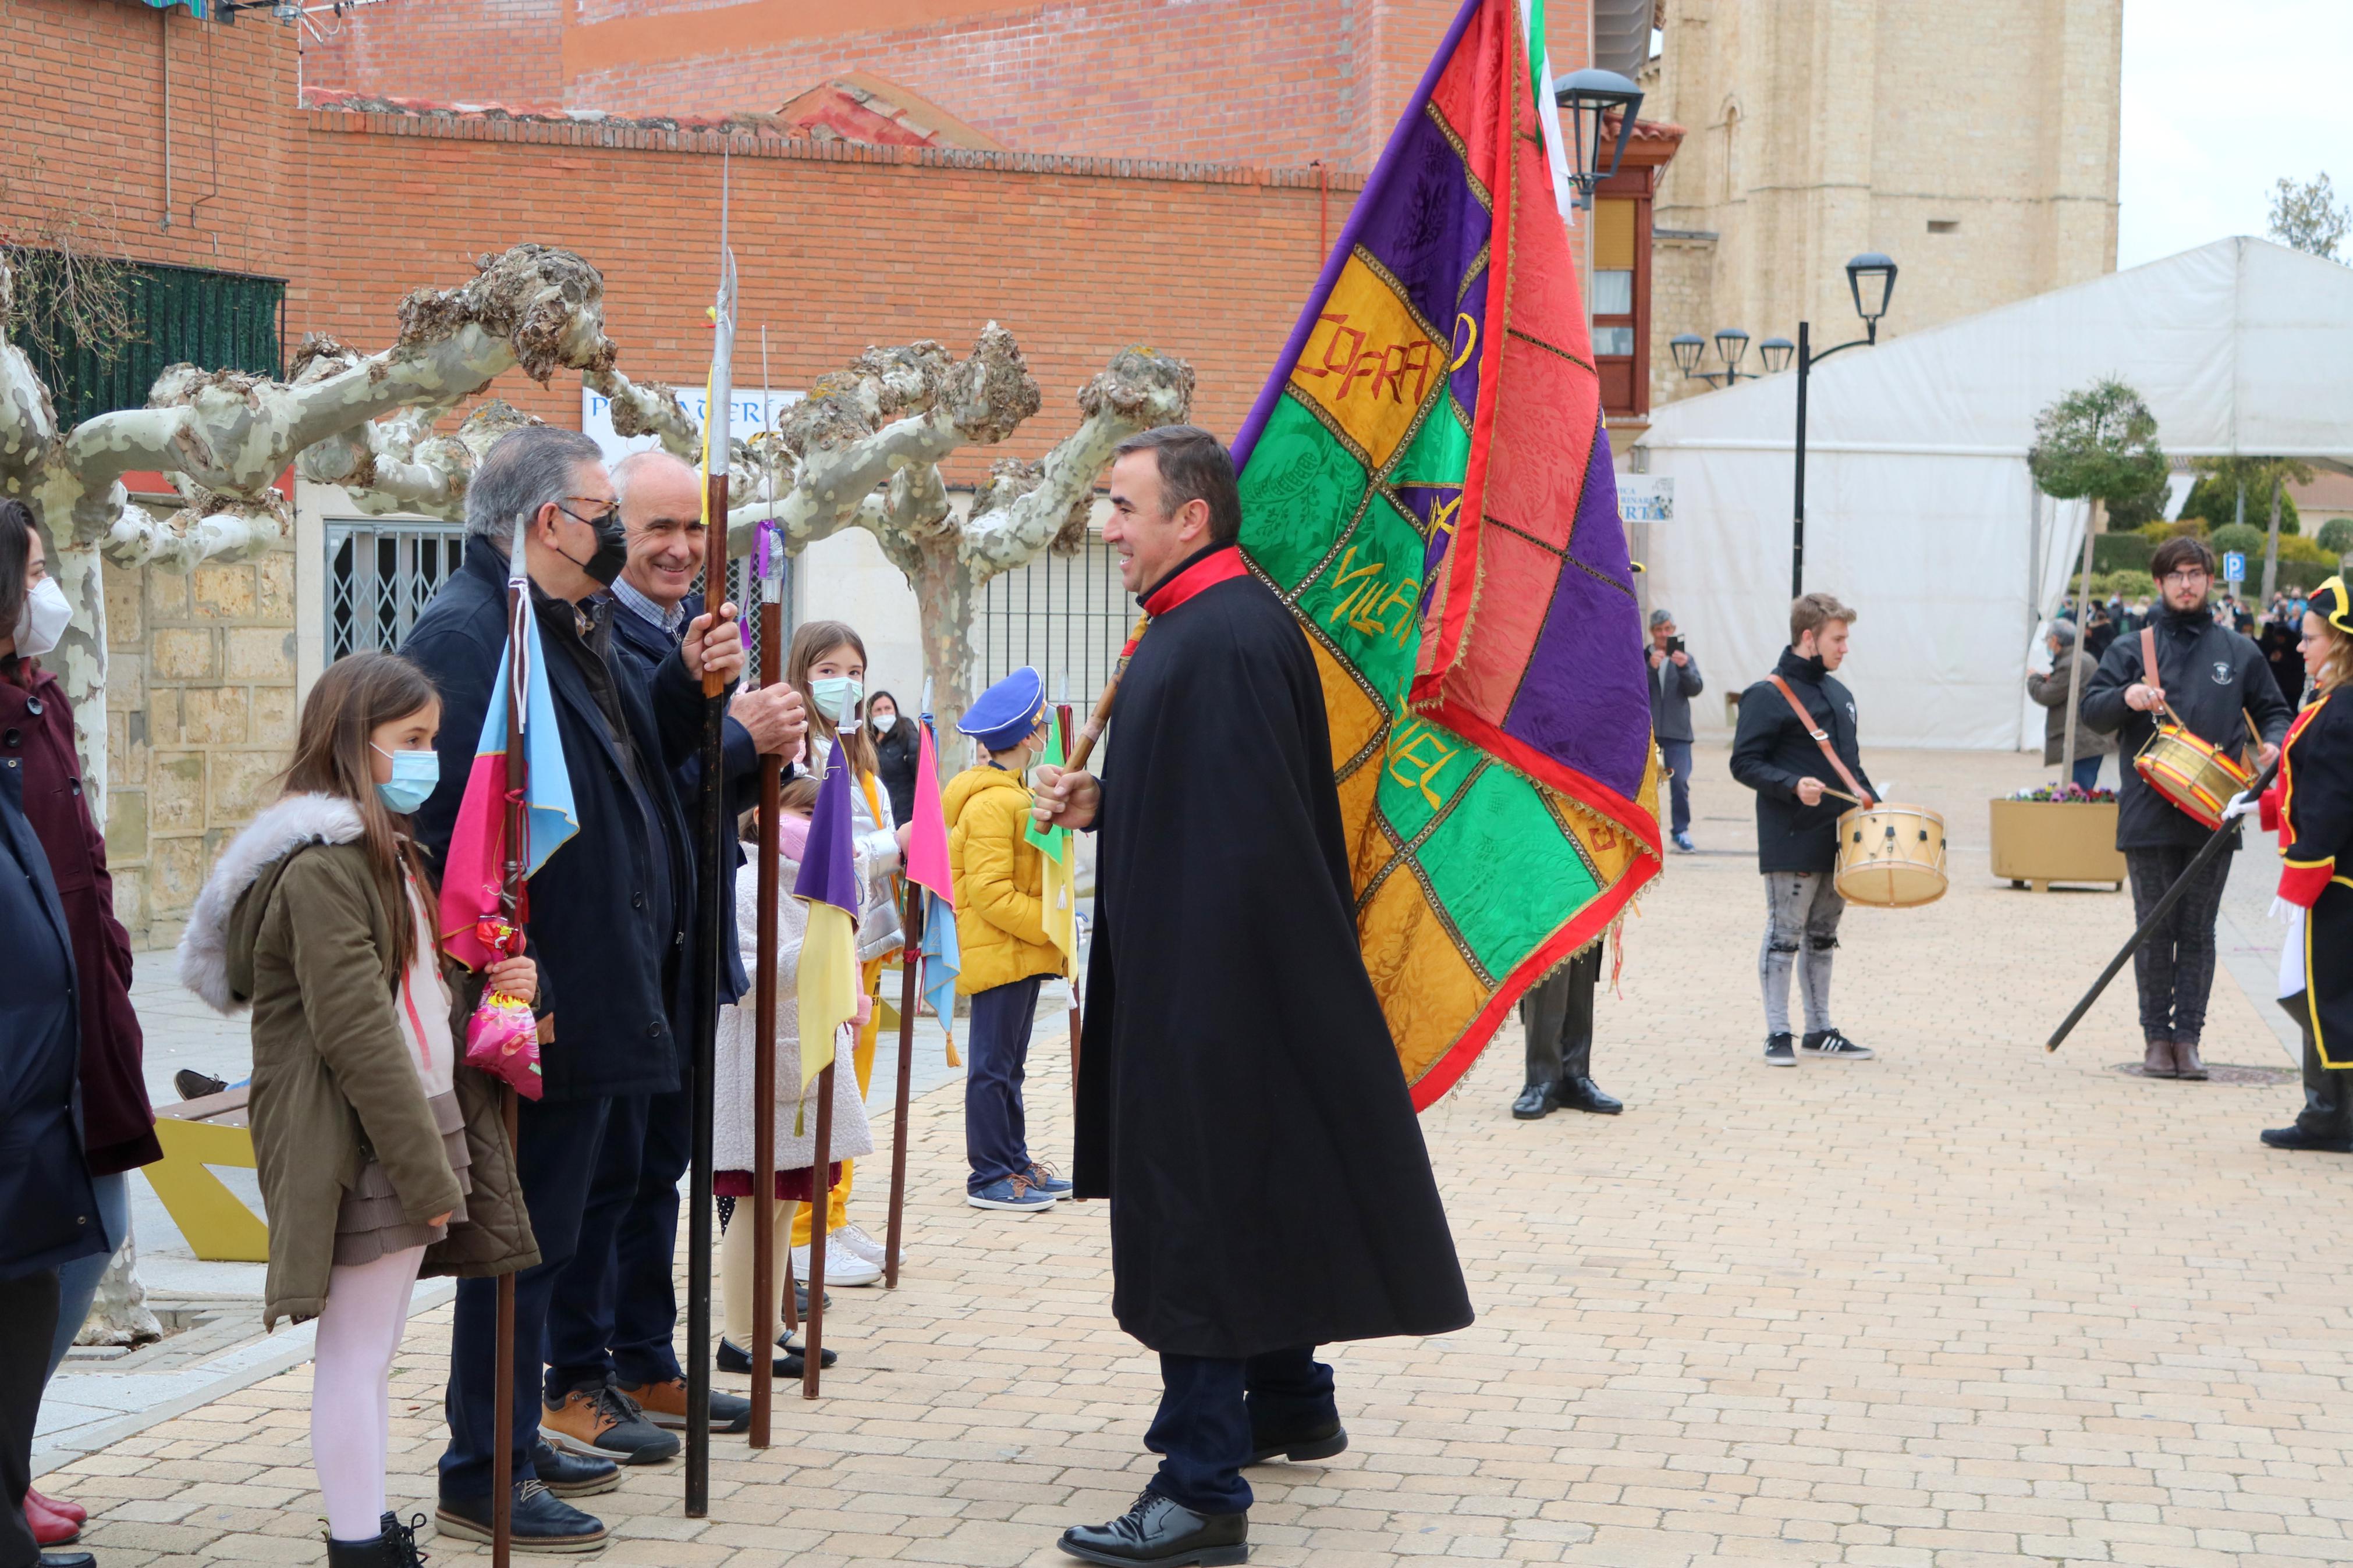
380 575
1068 615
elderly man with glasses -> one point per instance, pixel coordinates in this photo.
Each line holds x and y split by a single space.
606 926
2213 682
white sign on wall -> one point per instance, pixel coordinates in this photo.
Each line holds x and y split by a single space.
1646 497
753 410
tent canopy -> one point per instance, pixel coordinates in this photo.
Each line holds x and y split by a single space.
1919 508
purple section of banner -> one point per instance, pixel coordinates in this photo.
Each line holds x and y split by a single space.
828 863
1369 201
1581 698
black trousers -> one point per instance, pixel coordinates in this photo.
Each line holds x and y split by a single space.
2328 1093
556 1157
2174 969
614 1309
1213 1410
28 1305
1558 1019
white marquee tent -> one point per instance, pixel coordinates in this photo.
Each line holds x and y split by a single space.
1919 508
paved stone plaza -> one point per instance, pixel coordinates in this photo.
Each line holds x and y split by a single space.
1970 1304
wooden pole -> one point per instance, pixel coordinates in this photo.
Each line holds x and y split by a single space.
714 879
510 878
910 963
763 1209
1062 722
820 1216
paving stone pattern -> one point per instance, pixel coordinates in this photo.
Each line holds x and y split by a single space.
1971 1304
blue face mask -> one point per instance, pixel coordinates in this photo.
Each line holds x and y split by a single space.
837 695
413 775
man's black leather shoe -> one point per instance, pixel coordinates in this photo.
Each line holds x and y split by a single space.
1584 1094
87 1560
543 1521
1157 1531
732 1357
2297 1138
1320 1442
1536 1101
573 1475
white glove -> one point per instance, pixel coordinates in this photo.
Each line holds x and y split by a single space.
1886 791
2242 803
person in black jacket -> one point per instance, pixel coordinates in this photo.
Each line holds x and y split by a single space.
2213 682
614 1314
898 746
48 1207
1797 822
604 922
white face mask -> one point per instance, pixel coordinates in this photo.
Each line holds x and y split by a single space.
43 619
882 722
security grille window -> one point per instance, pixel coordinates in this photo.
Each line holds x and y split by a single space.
99 333
1068 615
380 577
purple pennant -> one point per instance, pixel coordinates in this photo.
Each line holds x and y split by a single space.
828 868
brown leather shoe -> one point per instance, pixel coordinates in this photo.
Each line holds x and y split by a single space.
2185 1061
2157 1059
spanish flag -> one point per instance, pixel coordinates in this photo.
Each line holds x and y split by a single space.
829 886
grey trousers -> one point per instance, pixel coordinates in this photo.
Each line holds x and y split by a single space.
1801 922
1558 1019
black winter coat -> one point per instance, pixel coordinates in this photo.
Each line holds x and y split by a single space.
1240 1098
2311 808
48 1209
1772 752
896 756
650 646
2215 679
613 951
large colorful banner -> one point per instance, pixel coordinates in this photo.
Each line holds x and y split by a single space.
1426 481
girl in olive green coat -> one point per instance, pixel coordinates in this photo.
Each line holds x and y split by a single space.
380 1153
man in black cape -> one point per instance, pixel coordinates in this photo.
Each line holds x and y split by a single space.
1240 1099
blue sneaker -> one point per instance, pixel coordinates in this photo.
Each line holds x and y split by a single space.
1684 843
1017 1193
1043 1179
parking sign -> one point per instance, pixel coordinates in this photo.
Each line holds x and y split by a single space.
2235 565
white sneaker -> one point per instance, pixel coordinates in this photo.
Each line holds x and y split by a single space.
855 1243
842 1267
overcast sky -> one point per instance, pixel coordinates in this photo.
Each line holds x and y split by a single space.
2219 102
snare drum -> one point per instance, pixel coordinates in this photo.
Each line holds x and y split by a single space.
1891 856
2198 777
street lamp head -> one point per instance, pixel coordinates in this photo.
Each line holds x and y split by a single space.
1590 95
1776 354
1871 277
1731 347
1686 348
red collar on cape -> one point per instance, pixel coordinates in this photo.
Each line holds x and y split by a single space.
1217 566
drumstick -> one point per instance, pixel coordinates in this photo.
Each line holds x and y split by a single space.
1842 794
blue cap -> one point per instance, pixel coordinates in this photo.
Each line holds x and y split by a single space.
1002 717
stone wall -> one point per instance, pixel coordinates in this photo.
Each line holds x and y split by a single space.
200 722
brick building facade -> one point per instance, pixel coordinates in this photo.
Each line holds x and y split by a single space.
839 247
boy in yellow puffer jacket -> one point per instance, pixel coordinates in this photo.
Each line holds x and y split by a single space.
1000 881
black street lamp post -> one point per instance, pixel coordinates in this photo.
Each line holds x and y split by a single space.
1871 278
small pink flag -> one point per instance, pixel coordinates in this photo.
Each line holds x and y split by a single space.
927 847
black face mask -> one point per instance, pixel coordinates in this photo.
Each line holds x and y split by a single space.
612 551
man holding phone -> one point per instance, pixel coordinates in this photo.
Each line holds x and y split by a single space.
1675 682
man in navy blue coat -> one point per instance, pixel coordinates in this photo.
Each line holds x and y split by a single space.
605 925
615 1310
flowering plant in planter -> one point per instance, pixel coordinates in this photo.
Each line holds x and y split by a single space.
2066 793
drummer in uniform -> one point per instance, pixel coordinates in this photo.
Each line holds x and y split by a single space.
1797 778
2210 682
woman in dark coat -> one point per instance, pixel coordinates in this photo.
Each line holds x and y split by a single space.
897 750
36 740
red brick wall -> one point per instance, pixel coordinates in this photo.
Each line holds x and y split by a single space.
866 246
1257 82
89 133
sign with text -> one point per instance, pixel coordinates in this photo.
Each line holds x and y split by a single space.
2235 565
1646 497
753 410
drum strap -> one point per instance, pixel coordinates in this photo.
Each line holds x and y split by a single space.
1822 739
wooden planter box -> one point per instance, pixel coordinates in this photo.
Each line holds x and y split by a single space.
2039 842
